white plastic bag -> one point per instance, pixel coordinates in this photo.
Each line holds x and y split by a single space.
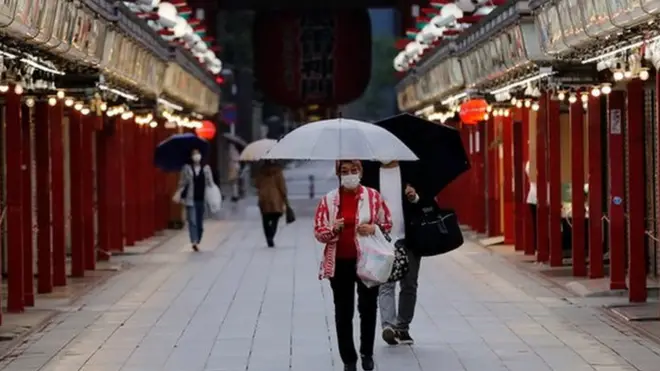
213 198
376 259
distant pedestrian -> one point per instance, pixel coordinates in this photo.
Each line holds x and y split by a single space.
395 185
341 216
273 198
191 191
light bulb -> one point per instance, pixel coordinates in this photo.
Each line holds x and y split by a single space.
606 89
489 108
514 101
29 102
103 106
153 124
561 95
78 106
495 113
18 89
628 74
528 103
506 113
618 76
52 101
4 88
60 94
124 116
85 111
121 109
519 104
584 97
68 102
572 98
595 92
644 75
486 117
535 106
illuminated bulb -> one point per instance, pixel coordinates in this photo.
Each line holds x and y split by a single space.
606 89
18 89
535 106
85 111
561 95
528 103
506 113
595 92
644 75
121 109
52 101
618 76
628 74
78 106
29 102
585 105
60 94
489 109
68 102
103 106
572 98
486 117
514 101
4 88
519 104
584 97
153 124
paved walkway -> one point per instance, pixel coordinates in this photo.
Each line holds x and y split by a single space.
238 305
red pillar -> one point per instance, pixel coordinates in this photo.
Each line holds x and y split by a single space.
103 189
161 184
480 179
131 197
595 197
42 153
636 192
554 180
55 116
14 162
492 177
76 181
542 211
26 204
615 109
577 189
519 182
138 179
87 183
508 184
120 197
528 222
148 161
114 187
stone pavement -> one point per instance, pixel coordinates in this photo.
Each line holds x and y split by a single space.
238 305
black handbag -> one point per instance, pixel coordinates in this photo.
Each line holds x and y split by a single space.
435 231
400 267
290 215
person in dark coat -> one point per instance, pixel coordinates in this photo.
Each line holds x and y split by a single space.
398 186
271 188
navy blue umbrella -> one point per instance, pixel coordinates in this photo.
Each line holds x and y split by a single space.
174 152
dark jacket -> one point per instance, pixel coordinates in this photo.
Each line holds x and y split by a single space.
271 188
371 178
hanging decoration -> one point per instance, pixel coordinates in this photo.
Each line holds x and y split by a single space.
206 131
473 111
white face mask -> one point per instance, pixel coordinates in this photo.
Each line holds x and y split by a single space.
350 181
197 157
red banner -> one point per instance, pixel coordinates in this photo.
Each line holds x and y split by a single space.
312 57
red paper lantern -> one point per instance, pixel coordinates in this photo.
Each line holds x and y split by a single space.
207 131
473 111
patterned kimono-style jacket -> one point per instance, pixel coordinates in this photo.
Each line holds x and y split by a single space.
371 210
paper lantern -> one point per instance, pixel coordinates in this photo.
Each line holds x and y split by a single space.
207 131
473 111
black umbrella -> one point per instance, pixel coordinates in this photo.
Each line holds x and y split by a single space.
442 157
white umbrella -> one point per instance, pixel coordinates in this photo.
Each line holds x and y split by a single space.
256 150
340 139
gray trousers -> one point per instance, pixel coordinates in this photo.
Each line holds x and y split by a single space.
407 298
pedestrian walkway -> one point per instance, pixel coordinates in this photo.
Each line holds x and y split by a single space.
238 305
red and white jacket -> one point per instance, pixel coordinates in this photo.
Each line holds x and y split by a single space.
371 210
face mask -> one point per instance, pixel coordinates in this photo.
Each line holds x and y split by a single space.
196 157
350 181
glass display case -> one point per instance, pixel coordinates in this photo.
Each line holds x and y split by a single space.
651 6
25 20
627 13
7 12
64 27
571 24
597 21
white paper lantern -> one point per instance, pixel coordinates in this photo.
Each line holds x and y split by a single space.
167 15
451 10
189 35
180 28
467 6
200 47
148 5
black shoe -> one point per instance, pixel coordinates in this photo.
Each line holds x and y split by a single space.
404 337
367 363
352 367
271 243
389 335
195 247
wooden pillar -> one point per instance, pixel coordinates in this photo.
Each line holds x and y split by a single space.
595 196
103 189
120 196
554 180
14 180
43 153
132 194
529 238
508 184
615 110
492 176
480 179
55 115
542 210
26 204
149 165
114 159
76 181
518 181
87 183
636 192
577 189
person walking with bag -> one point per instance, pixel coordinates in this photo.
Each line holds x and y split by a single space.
273 199
196 178
342 216
393 183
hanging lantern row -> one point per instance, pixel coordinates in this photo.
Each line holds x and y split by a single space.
527 103
182 121
628 65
